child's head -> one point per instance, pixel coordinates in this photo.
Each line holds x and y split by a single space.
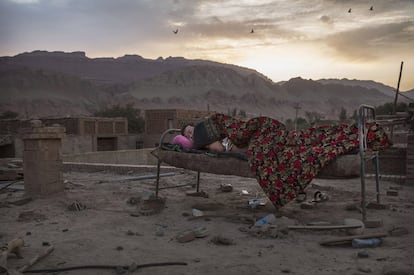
183 141
188 130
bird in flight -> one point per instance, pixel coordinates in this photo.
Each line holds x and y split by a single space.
252 31
349 10
176 31
371 8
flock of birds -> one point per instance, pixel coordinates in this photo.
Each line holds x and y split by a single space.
252 31
371 9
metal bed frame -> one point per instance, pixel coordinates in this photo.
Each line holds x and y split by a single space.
157 183
366 114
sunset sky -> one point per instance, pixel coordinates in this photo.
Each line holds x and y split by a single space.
312 39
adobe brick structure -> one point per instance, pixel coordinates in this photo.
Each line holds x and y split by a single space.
159 120
83 134
392 161
42 161
410 160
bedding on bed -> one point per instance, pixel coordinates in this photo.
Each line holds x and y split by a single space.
284 162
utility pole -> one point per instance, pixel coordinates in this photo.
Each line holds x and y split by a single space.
394 110
297 108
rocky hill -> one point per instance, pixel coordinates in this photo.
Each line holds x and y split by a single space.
62 84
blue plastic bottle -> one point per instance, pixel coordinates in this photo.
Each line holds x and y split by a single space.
267 219
363 243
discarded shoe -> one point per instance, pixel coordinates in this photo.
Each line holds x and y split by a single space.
319 196
226 187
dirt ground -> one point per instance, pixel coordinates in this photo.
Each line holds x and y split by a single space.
102 219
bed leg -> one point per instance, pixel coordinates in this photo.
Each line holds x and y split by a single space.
157 183
363 203
377 181
198 182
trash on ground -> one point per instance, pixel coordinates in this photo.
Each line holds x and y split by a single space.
197 213
253 203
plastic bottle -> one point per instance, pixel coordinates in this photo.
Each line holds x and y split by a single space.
363 243
267 219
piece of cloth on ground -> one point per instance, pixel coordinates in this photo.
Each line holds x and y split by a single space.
284 161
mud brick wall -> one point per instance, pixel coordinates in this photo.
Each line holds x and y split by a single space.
392 161
410 160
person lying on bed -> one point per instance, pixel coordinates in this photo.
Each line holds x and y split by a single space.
284 161
224 145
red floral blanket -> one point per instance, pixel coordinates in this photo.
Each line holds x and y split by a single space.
283 161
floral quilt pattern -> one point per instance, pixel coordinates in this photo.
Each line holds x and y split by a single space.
284 161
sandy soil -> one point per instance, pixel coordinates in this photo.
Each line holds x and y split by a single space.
111 226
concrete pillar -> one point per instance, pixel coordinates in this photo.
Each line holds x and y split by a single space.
42 161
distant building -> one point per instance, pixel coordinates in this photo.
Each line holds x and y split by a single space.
159 120
83 134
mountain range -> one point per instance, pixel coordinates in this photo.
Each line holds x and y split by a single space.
41 83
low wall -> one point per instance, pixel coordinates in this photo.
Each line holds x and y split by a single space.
410 160
392 161
116 168
346 166
133 157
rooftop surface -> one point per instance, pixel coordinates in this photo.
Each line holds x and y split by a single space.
102 219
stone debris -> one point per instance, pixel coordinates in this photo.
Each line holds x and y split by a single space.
363 254
186 236
398 231
133 200
76 206
190 235
197 213
373 223
220 240
307 205
377 206
397 270
11 169
393 193
353 207
151 206
197 194
29 216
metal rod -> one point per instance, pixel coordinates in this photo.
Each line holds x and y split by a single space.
166 132
362 117
377 183
175 186
363 203
144 177
157 182
198 181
